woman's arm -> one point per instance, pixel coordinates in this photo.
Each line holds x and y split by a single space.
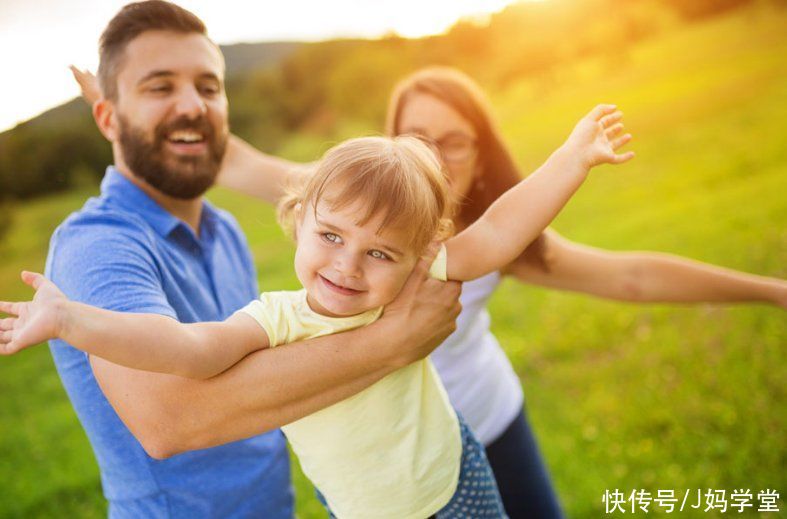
641 276
252 172
147 342
520 215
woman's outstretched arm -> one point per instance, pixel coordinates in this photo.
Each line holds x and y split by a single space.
254 173
641 276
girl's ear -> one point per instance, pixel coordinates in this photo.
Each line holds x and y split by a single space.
297 221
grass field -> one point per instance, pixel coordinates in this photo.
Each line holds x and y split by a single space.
621 396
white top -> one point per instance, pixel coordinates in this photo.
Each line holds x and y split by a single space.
479 378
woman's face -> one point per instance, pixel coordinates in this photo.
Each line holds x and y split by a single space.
428 116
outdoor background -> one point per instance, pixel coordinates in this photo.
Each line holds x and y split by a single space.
620 395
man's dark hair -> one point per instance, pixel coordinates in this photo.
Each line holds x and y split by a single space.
131 21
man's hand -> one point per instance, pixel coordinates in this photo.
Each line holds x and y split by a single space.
32 322
425 311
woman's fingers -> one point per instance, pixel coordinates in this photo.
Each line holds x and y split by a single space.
88 84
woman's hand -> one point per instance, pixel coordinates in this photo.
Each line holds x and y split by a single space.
595 139
779 297
35 321
88 84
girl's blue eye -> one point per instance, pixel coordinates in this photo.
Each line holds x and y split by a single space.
379 255
331 237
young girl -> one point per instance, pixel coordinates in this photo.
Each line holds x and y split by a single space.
396 449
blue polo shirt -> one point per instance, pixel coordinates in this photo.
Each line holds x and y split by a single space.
123 252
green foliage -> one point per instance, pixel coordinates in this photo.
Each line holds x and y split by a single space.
40 156
5 218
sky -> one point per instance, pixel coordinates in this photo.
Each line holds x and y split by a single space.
51 34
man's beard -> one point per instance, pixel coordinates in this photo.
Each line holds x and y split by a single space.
180 176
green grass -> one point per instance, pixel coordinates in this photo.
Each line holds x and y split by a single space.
620 396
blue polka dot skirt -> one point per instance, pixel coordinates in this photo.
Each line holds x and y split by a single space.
476 493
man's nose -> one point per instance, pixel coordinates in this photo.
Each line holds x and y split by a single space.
190 103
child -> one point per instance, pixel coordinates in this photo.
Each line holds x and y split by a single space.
396 449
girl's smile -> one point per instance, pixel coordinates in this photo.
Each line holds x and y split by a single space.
348 268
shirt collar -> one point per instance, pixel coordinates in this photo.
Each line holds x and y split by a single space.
121 191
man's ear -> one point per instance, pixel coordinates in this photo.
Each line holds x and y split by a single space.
104 115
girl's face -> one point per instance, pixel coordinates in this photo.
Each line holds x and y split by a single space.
455 137
346 268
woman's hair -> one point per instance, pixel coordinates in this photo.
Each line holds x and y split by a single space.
498 170
399 178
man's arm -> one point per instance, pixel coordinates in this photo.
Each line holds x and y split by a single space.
273 387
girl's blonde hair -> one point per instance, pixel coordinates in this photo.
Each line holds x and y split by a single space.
399 178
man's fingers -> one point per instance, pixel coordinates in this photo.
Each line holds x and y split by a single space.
430 253
33 279
418 275
9 308
600 111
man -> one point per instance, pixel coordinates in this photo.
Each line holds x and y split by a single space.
150 243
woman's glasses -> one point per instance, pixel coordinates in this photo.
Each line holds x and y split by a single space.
452 147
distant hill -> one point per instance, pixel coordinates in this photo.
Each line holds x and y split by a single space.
240 59
243 57
281 89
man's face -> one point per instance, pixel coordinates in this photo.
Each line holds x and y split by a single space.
171 111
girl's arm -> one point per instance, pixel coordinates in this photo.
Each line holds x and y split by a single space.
244 168
147 342
520 215
642 276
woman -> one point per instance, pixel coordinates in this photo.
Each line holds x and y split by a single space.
447 109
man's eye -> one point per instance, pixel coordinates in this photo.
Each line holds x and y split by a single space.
160 88
331 237
379 255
